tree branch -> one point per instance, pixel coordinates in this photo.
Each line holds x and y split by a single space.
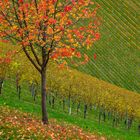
30 43
24 49
31 60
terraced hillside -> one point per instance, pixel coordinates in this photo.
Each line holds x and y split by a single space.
118 51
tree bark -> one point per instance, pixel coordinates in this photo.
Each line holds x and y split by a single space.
43 97
1 85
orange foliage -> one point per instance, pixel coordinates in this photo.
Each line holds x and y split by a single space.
51 24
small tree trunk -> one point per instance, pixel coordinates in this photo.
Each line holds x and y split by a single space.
85 111
32 89
125 122
78 107
100 114
100 117
108 115
139 129
43 97
63 105
1 85
19 92
34 97
17 82
90 107
114 120
35 93
49 99
129 124
53 100
69 104
60 102
104 116
116 124
73 104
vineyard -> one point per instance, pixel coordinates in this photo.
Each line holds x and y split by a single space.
75 61
94 100
56 110
117 51
109 99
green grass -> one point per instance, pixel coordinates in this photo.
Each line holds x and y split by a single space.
118 57
26 104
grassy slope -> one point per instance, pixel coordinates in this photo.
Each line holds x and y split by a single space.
118 57
26 104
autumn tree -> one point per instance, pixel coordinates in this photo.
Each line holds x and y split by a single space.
47 29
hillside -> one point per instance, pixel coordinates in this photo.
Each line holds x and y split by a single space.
9 98
118 50
95 101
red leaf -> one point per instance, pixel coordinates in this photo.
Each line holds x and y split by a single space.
95 56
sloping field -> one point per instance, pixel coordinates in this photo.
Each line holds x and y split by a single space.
118 50
9 98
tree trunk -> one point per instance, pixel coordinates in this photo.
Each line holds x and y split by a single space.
90 107
130 121
35 93
49 99
100 114
19 91
34 97
109 115
85 111
139 129
43 97
78 107
32 89
114 119
53 101
69 104
1 85
17 82
63 105
104 116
